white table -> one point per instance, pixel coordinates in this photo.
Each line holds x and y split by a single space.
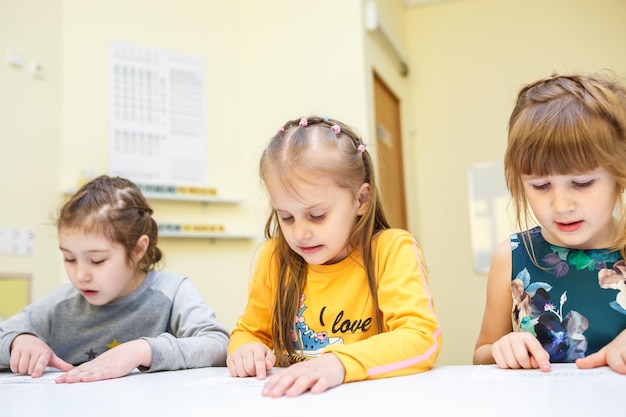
445 391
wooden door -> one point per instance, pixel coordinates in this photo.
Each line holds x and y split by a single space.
389 145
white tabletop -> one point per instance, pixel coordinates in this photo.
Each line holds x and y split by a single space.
443 391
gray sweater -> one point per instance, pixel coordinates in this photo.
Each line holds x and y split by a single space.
166 310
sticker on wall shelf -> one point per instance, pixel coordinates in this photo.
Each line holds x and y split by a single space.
189 230
178 190
177 193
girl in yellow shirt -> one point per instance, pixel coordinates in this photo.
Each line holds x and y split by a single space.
336 295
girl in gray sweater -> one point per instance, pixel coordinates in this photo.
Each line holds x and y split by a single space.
119 313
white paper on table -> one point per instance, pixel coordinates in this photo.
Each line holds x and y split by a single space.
559 370
226 380
11 378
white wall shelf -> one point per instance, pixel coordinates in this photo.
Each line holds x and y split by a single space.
184 235
196 198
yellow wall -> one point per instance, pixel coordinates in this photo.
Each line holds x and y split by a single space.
271 60
30 110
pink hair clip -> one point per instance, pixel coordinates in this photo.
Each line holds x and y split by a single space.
281 129
304 122
361 148
336 129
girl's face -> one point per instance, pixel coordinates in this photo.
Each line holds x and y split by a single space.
575 211
99 268
317 226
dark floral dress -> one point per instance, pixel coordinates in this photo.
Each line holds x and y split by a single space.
574 300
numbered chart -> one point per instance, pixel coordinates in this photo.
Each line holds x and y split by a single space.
157 116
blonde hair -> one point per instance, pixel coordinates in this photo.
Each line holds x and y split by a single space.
319 145
566 124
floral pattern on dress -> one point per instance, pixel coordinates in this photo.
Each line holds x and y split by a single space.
561 258
562 337
615 279
534 311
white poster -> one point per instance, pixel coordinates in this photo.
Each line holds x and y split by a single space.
17 241
157 116
491 215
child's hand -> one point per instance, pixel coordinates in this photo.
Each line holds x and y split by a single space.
30 355
315 375
520 350
114 363
612 355
250 360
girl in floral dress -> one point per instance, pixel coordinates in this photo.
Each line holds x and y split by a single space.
555 290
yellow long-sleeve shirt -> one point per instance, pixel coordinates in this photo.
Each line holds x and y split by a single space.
337 314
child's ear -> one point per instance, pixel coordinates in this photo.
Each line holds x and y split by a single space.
364 198
141 247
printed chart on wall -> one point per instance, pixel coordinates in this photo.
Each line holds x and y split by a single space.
157 129
491 219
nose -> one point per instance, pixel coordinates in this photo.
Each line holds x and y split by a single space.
81 273
562 200
301 231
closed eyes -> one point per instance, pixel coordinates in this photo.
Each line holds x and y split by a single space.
314 219
69 261
575 184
